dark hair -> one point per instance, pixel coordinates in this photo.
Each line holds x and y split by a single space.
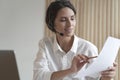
53 9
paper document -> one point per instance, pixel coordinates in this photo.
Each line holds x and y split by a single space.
105 59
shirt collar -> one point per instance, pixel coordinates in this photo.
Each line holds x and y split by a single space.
56 45
73 48
75 44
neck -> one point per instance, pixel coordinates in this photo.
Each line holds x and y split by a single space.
65 42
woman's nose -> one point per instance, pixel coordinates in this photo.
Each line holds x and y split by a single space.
69 23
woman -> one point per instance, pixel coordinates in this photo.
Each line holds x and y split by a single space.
60 57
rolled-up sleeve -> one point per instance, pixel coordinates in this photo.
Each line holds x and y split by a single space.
40 69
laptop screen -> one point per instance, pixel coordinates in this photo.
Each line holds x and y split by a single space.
8 66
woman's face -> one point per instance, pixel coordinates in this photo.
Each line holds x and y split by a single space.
65 22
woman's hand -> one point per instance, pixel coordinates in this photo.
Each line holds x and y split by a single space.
110 73
78 62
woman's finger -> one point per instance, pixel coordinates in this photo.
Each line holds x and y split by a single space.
83 58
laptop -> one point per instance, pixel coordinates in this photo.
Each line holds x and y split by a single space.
8 65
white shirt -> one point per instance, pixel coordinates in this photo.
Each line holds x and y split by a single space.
51 57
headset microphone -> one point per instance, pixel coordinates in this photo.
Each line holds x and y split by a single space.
60 33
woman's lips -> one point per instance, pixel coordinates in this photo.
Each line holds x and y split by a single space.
69 30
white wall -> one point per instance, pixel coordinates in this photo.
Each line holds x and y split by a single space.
21 27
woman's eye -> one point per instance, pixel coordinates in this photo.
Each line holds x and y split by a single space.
72 19
62 20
